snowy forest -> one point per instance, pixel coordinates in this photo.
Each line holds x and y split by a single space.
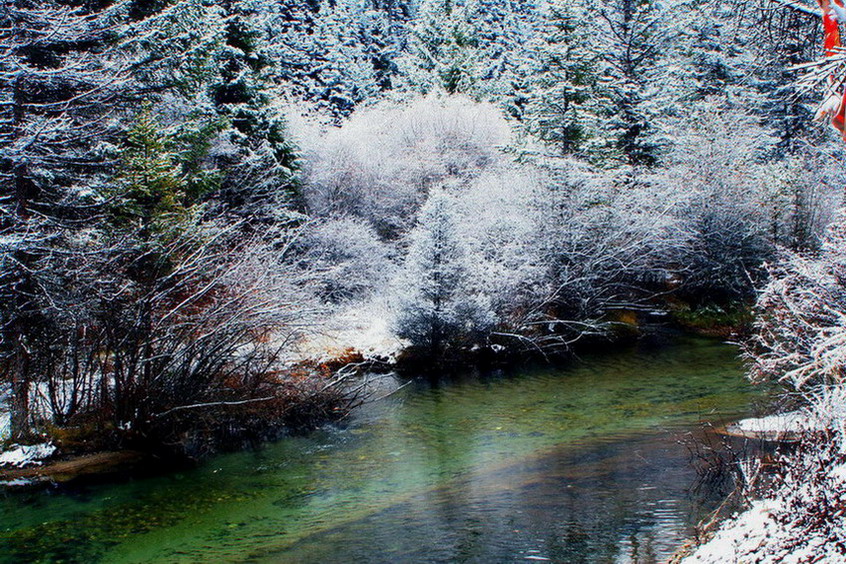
217 216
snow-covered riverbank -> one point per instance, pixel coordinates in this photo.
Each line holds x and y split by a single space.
802 517
358 331
363 328
20 456
789 527
778 427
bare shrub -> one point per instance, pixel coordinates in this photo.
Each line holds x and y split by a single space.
159 341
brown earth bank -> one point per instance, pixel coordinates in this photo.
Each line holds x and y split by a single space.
66 469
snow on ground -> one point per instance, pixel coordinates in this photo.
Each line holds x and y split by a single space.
791 424
16 483
762 535
738 539
365 328
801 517
26 455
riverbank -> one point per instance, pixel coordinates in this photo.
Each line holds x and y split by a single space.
73 468
304 397
800 521
354 340
796 515
328 359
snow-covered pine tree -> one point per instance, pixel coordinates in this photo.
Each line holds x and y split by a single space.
562 67
437 305
289 26
321 56
706 58
631 38
710 51
472 47
347 75
383 30
504 28
253 153
743 53
781 38
443 53
151 191
49 86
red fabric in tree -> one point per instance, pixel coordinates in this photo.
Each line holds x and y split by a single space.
834 105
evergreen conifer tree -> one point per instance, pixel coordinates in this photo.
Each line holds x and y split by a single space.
437 304
564 99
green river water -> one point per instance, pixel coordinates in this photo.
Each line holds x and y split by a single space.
574 464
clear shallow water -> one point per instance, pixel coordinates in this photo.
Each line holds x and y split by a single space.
580 464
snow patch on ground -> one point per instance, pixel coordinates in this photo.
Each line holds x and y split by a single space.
365 328
26 455
740 538
801 517
16 483
758 535
793 422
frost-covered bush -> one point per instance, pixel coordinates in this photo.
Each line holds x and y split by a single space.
553 244
382 162
801 194
555 253
800 337
347 256
605 244
716 169
498 224
738 203
437 301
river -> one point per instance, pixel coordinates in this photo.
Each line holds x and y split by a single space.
585 463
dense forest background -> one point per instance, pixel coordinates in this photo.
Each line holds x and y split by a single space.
190 187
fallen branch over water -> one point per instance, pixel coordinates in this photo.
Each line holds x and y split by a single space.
212 404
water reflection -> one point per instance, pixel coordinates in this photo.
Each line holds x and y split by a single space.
622 500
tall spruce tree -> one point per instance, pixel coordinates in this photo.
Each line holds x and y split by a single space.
564 98
257 161
443 53
323 54
632 35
